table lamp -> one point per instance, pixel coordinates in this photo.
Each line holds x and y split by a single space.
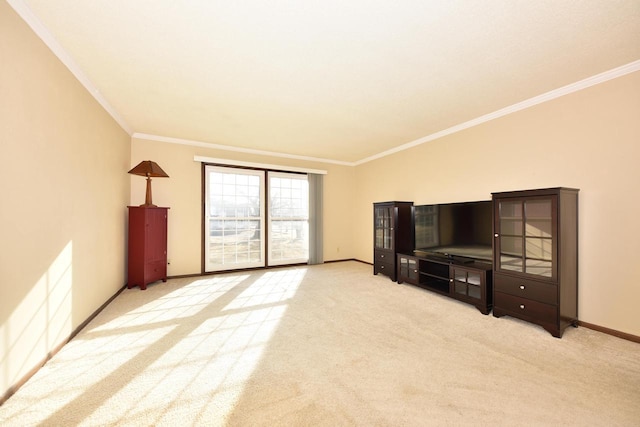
149 169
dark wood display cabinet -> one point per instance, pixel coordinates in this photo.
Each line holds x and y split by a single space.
147 245
536 257
392 233
469 282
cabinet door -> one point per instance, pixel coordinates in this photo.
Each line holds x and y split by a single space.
525 236
383 227
156 235
467 282
404 266
408 269
413 269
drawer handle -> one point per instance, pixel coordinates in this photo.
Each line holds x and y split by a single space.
521 306
522 287
382 267
415 271
495 235
381 256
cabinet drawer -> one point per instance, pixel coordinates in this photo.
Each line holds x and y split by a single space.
526 309
383 256
155 270
529 289
384 268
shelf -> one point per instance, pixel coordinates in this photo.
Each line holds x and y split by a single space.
436 285
475 281
433 276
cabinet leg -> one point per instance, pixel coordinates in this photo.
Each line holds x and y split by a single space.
554 332
483 310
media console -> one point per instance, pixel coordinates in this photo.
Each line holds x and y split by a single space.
466 280
523 242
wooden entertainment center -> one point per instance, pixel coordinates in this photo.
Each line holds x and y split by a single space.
533 271
469 282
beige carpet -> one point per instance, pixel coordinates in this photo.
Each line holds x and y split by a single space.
327 345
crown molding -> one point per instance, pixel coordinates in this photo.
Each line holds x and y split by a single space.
227 162
202 144
25 12
548 96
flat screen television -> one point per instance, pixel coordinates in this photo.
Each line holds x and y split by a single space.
455 230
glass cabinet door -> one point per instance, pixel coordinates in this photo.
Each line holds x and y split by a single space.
409 268
538 255
383 225
525 234
510 223
404 267
413 269
467 283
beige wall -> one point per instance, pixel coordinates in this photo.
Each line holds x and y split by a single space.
64 187
588 140
182 193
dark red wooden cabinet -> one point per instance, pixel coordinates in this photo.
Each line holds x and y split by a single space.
147 245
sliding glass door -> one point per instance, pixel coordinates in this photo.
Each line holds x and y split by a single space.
241 222
288 218
234 218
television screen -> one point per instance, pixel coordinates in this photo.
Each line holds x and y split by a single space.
455 229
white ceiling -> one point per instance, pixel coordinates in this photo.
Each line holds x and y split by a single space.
342 80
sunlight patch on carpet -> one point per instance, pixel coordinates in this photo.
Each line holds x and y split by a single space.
183 356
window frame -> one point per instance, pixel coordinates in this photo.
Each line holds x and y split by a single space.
265 225
206 231
270 255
